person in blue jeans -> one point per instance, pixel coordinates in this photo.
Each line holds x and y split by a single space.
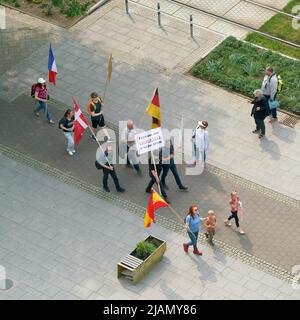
41 96
192 222
168 163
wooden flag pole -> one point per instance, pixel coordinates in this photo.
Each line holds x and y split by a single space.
158 185
108 77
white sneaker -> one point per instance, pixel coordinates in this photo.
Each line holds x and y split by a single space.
70 152
74 151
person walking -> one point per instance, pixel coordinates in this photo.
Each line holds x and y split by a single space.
259 112
42 96
105 160
235 204
210 224
192 223
95 110
270 90
129 142
155 163
168 163
201 142
67 125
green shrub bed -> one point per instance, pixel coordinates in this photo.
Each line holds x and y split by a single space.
240 67
280 26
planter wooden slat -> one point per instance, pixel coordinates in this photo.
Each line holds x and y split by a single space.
135 268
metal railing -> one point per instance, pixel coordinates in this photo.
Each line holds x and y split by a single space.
214 15
161 13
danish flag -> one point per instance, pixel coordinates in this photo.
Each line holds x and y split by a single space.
80 123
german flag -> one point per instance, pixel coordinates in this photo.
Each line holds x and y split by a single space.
155 202
153 110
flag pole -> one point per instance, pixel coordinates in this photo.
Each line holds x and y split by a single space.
108 77
158 185
180 218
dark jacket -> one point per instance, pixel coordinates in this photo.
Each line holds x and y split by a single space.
262 103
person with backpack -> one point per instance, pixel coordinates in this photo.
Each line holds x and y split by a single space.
191 223
67 125
270 91
259 112
41 95
128 142
105 161
95 110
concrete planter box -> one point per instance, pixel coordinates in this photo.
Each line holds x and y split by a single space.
134 268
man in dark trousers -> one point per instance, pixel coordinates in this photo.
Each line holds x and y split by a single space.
153 162
168 163
105 160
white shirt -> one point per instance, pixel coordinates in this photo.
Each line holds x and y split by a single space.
201 139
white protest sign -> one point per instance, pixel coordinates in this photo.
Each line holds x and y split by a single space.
149 140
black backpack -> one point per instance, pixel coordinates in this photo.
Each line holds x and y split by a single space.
98 165
33 88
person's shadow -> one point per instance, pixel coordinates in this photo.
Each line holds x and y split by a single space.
271 147
206 272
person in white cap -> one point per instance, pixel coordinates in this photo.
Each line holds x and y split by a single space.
42 96
201 141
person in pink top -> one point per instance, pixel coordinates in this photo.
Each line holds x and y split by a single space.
41 95
235 207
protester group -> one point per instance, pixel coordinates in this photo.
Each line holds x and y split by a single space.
160 163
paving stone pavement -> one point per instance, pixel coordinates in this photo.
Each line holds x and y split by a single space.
78 56
267 237
60 243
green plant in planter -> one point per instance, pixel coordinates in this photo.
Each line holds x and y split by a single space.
144 249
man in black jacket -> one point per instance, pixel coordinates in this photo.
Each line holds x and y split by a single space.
260 112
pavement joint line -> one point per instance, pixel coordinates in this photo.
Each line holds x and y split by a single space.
167 223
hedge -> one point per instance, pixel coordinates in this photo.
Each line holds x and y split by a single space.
239 66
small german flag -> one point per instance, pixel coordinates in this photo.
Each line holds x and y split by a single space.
153 110
155 202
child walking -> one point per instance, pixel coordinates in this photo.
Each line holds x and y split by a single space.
210 224
235 206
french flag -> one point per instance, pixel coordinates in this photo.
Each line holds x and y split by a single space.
52 67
